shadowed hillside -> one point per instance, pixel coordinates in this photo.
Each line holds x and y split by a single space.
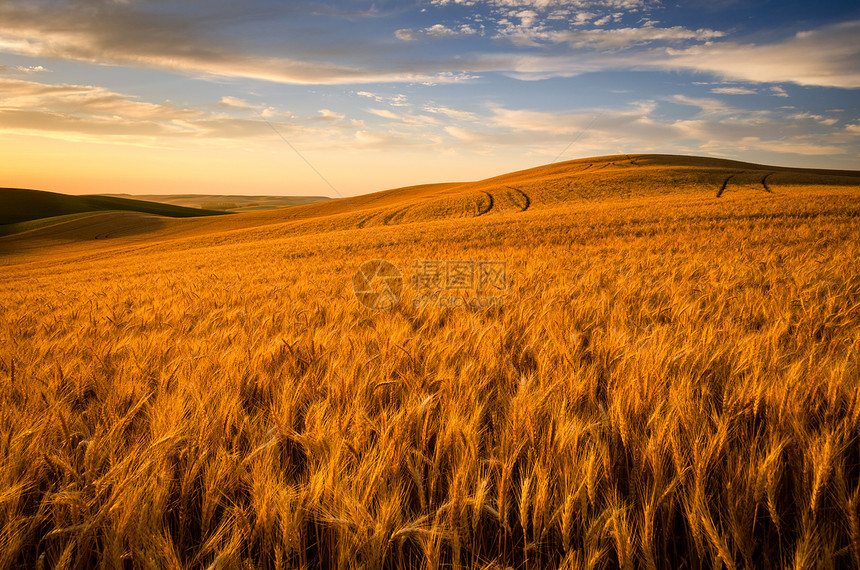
227 203
19 205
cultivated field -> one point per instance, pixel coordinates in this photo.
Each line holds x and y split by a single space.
666 377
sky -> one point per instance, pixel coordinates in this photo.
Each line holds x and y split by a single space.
340 98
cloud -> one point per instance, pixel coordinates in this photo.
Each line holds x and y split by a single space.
32 69
135 34
827 56
436 31
815 117
330 115
85 99
452 113
626 37
95 114
796 145
236 103
700 102
384 113
524 22
126 34
544 5
396 100
734 91
717 130
27 69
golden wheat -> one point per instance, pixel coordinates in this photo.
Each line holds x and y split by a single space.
671 381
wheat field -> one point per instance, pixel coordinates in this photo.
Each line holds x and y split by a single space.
670 380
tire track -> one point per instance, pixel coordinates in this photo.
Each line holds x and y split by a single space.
393 217
723 187
764 183
490 203
526 200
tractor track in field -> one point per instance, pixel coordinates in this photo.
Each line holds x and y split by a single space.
764 183
723 187
527 202
490 203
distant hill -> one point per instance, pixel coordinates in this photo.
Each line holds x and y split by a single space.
574 184
227 202
585 180
18 205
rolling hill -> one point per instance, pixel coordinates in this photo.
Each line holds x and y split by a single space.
229 203
565 183
571 184
19 205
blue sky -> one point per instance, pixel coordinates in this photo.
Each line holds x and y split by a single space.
157 96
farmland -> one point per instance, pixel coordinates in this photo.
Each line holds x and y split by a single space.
668 379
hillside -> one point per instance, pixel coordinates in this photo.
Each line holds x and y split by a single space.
227 202
21 205
572 182
575 184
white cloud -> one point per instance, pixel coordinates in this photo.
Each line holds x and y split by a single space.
129 35
821 119
734 91
32 69
331 115
96 114
396 100
628 5
626 37
436 31
384 113
582 18
700 102
452 113
828 56
796 145
237 103
642 127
